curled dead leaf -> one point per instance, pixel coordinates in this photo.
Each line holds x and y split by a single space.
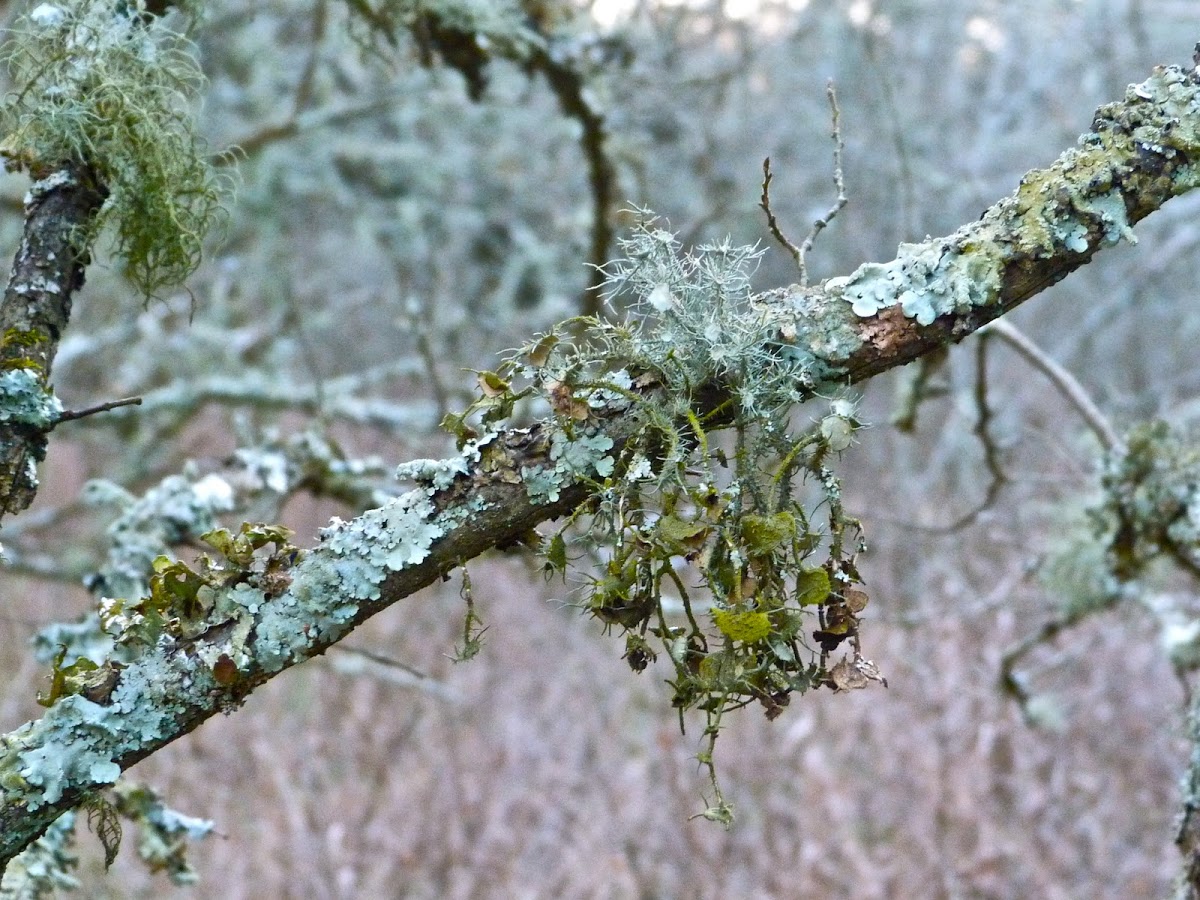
855 674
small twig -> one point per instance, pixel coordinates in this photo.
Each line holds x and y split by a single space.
991 453
418 315
765 203
387 661
1067 384
71 414
565 77
304 88
820 224
916 386
310 120
838 178
359 662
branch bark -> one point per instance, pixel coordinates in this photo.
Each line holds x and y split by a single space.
47 271
1138 155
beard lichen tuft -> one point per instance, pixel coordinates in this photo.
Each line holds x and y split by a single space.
724 546
109 87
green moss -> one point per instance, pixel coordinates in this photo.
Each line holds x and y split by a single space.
22 337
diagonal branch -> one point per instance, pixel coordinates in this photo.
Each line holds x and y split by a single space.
845 330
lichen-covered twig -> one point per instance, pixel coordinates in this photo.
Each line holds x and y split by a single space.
286 607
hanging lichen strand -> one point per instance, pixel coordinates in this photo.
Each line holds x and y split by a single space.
108 86
723 541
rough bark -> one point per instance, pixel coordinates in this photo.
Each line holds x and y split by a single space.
47 271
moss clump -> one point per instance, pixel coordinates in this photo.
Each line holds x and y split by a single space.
111 87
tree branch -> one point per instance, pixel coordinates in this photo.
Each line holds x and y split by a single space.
846 329
60 209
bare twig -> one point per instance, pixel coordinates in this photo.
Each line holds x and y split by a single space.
773 224
310 120
72 414
1066 383
356 661
800 253
991 453
304 88
576 101
915 386
441 397
838 178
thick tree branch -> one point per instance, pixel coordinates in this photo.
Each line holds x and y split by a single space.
59 212
847 329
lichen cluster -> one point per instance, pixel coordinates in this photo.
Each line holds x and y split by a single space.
1151 505
24 400
724 546
106 86
1131 541
45 868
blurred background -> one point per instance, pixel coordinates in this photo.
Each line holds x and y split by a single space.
395 225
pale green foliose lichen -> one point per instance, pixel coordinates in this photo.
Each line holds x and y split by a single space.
439 474
1057 208
584 457
76 744
24 400
397 535
44 868
330 587
1172 91
162 832
926 280
542 485
71 761
1111 209
180 507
